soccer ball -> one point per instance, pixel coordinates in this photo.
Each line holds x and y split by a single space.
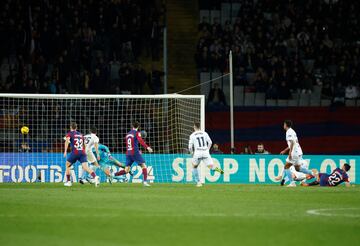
24 130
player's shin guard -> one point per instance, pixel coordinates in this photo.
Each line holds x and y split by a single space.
144 173
195 174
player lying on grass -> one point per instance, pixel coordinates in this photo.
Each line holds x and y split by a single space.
76 141
199 147
106 161
133 153
337 176
295 174
295 155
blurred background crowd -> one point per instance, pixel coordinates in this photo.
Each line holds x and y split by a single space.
284 46
79 46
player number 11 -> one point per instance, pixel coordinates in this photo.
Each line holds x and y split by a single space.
203 141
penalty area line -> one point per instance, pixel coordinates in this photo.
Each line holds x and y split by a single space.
334 212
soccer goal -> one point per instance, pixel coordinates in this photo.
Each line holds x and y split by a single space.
37 155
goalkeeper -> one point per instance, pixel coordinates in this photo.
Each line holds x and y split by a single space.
106 160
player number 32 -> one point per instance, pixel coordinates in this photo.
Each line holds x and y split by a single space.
78 143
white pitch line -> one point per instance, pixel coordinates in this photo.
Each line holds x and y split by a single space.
209 215
329 212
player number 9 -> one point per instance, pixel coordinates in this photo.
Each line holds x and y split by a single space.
129 143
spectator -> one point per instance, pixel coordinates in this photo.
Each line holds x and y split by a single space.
261 150
126 77
286 45
215 149
284 91
272 92
140 78
247 150
95 85
327 92
204 24
261 80
68 39
351 92
216 96
155 80
233 151
339 95
307 84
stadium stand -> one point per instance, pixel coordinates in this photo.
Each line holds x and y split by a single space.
79 46
284 46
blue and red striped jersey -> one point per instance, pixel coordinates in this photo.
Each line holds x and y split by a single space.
76 142
133 138
337 177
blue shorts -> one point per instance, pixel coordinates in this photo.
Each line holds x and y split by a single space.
130 159
72 158
324 179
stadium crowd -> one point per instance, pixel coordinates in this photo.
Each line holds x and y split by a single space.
79 46
281 47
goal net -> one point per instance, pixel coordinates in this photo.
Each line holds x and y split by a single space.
37 156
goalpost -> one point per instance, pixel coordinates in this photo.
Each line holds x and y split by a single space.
38 155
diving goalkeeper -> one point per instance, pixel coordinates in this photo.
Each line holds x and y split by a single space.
106 160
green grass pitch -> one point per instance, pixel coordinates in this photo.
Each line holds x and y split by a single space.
178 214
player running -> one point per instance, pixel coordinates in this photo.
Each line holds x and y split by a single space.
337 176
295 155
133 153
106 160
92 142
199 146
76 141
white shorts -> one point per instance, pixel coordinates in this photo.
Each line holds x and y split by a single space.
203 156
295 160
90 156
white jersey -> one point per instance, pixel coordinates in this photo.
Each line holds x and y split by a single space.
199 141
291 136
90 141
200 144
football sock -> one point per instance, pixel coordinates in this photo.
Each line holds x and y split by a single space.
122 172
144 173
288 175
286 179
195 174
306 171
67 177
93 174
84 174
